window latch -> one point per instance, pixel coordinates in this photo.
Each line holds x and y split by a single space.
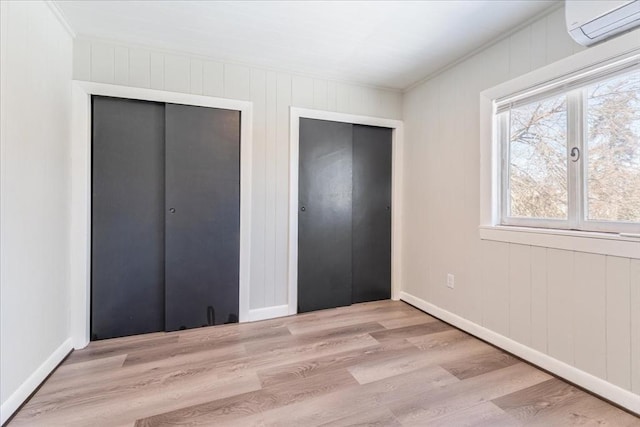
575 154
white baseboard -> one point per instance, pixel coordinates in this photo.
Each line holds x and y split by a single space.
18 397
612 392
268 312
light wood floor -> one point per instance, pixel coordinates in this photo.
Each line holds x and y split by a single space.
382 363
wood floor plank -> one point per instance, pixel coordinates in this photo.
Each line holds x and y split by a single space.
344 319
440 340
555 399
118 346
424 407
232 333
225 410
381 417
452 345
131 341
284 343
411 331
143 373
380 363
531 401
484 414
415 319
117 405
346 402
90 367
325 365
212 350
587 411
478 364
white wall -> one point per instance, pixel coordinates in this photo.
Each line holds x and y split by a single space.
36 60
272 93
580 308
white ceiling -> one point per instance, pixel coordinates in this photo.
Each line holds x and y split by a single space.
382 43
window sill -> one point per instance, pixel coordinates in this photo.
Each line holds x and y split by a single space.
580 241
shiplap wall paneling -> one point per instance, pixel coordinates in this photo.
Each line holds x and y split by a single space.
496 287
538 45
560 267
156 70
618 333
196 68
121 67
320 95
416 204
635 325
444 228
495 66
566 304
454 202
419 204
332 96
434 256
520 293
270 202
82 59
342 98
139 67
263 98
520 52
102 63
280 166
559 43
467 245
539 298
302 92
237 82
177 74
589 321
272 94
213 79
258 295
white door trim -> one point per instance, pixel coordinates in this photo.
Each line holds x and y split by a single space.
80 235
396 180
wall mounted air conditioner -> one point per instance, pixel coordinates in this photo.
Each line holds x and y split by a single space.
589 22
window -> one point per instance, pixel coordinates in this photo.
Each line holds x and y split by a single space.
570 154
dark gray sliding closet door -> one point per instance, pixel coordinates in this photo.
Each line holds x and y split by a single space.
127 250
202 216
344 217
371 213
324 217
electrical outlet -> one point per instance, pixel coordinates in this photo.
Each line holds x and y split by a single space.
450 280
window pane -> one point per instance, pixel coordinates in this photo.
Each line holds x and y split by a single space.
613 149
538 160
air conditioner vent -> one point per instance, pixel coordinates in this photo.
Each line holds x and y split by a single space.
589 22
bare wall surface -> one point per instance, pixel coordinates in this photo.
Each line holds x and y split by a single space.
34 148
577 307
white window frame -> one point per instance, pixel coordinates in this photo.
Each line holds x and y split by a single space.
576 171
601 238
502 134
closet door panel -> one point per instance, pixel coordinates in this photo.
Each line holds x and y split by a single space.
324 216
371 213
203 216
127 218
